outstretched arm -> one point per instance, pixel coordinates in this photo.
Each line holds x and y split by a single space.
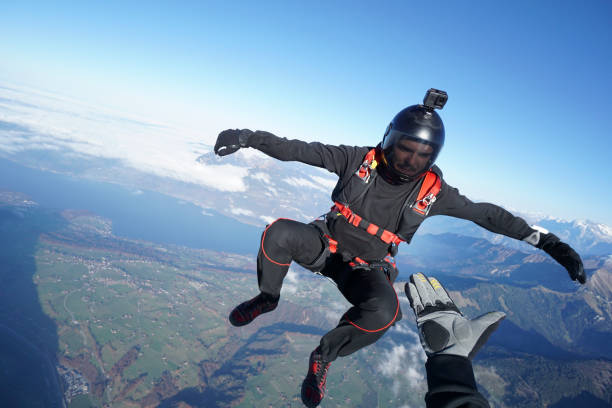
336 159
496 219
490 216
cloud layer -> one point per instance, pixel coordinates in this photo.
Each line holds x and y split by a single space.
35 120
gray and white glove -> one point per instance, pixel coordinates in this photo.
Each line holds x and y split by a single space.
442 327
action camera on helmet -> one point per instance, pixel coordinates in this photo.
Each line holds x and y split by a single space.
435 99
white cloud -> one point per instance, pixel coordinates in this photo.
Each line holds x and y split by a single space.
267 219
291 283
242 211
302 182
273 192
262 177
404 328
265 178
51 121
251 154
404 363
335 310
326 182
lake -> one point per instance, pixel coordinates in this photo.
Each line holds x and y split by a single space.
143 215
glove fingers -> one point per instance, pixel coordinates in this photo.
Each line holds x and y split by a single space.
227 142
424 288
487 319
225 150
482 328
441 293
573 267
577 273
413 296
218 145
572 262
581 275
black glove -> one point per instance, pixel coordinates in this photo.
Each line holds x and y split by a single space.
564 254
559 251
230 140
442 327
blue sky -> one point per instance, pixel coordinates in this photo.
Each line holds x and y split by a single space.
529 83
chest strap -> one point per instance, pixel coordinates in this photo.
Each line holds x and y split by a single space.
426 197
386 236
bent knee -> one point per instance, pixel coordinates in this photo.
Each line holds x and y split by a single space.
383 310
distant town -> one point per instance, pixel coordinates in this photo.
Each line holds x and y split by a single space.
73 382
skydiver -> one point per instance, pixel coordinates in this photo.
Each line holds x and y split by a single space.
382 196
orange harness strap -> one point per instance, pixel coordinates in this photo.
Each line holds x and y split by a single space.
427 194
386 236
426 197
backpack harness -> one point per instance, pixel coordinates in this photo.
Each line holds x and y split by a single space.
425 198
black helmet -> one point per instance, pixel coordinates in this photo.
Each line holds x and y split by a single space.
414 139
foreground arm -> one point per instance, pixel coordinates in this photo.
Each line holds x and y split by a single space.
496 219
451 383
450 342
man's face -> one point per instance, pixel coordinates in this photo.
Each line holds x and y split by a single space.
410 157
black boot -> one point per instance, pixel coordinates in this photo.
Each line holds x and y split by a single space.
313 387
246 312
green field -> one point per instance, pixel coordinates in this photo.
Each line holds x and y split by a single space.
146 325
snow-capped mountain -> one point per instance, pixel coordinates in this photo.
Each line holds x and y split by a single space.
591 237
585 236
